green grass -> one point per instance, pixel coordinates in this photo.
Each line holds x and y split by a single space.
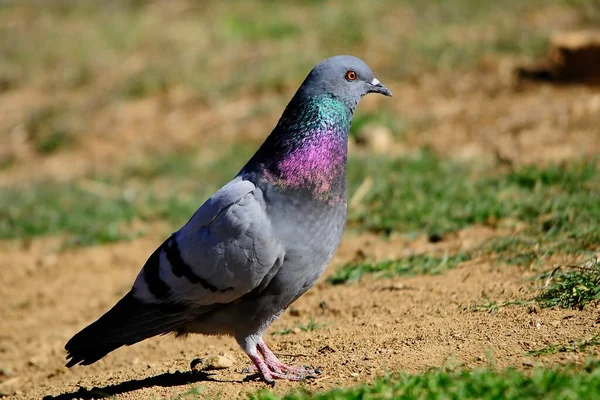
47 209
541 383
147 82
195 392
572 286
571 347
423 194
52 128
418 193
99 209
241 28
491 306
418 264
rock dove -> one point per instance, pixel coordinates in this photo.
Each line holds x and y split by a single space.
258 243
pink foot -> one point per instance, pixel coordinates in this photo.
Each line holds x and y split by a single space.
270 368
269 375
274 364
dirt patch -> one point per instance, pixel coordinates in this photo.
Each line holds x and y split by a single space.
123 131
489 116
374 326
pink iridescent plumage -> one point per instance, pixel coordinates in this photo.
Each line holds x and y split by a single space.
317 164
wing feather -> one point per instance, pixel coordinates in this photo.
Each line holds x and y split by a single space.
224 251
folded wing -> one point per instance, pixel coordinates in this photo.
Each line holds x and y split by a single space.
224 251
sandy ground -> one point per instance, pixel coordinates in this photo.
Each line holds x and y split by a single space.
368 328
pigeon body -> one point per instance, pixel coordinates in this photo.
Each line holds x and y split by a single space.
257 244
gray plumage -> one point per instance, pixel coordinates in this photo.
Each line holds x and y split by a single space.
257 244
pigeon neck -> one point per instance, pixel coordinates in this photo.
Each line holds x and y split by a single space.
307 150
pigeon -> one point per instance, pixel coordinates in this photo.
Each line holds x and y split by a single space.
256 245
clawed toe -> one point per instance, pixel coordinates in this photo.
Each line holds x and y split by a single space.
260 377
270 368
269 373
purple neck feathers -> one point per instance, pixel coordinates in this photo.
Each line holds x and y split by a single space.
307 150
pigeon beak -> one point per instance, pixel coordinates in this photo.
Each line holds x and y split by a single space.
376 87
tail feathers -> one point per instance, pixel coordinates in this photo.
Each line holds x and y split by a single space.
128 322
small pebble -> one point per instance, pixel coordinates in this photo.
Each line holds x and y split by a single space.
211 363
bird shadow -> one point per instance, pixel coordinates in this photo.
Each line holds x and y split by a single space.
165 380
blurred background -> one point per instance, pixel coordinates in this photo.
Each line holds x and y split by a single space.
118 118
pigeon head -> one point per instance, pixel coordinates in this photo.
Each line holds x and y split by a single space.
345 78
307 150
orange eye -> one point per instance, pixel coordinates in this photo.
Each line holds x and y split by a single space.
350 75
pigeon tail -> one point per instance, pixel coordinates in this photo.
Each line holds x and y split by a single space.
128 322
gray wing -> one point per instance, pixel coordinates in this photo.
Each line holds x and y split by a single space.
224 251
